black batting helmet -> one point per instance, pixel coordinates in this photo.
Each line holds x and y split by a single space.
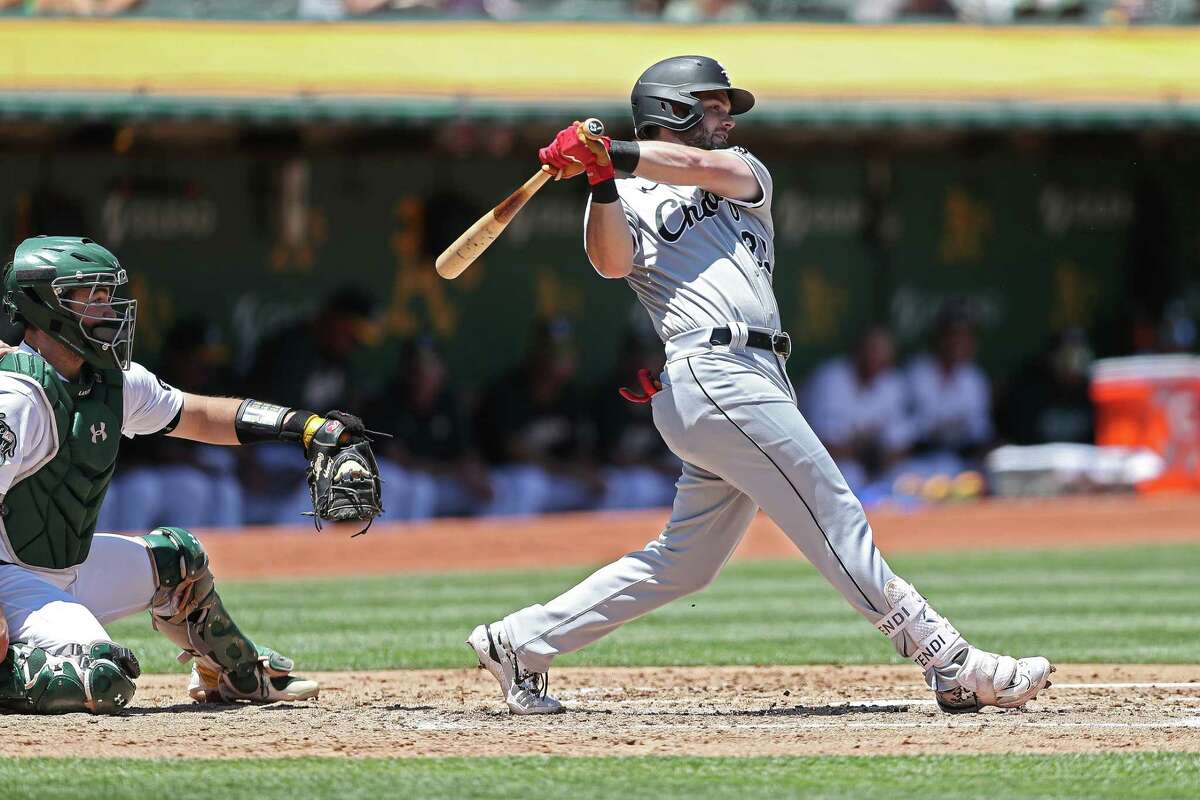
672 84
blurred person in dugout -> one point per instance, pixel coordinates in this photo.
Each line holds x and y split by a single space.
533 430
166 480
72 8
429 468
858 406
950 396
977 11
686 11
636 466
311 360
337 9
1048 401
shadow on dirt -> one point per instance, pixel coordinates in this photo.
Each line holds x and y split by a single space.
840 710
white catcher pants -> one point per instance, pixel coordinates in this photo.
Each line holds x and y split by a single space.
731 416
56 609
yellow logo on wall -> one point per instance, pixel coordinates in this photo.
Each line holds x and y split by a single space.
1075 295
555 297
299 226
416 278
966 223
822 307
155 312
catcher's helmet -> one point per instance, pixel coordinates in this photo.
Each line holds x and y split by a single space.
674 83
35 292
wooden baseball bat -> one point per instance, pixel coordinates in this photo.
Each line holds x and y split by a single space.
477 238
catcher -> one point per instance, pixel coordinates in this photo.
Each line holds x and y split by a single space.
67 394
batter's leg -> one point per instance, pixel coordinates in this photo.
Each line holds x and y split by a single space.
768 451
708 520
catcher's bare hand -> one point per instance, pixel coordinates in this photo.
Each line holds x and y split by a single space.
343 476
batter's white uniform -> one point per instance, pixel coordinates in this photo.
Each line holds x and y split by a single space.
54 609
729 412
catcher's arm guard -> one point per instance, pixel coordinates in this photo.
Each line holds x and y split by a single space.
343 476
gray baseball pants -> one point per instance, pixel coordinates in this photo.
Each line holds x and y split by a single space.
731 415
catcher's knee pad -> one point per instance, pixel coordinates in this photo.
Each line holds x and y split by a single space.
97 677
932 641
187 609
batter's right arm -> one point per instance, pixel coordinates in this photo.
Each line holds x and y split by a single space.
607 239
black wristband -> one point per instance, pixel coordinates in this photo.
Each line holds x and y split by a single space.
293 426
605 192
625 155
265 422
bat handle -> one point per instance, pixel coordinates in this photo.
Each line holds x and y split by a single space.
592 128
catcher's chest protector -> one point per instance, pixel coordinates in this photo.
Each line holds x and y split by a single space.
50 515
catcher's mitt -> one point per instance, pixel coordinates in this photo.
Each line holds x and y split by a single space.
343 477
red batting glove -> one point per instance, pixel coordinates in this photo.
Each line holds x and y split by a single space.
599 173
650 386
552 156
571 153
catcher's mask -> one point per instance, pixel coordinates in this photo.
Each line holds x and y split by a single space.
665 94
68 287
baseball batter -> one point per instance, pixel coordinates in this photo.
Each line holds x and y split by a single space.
67 395
691 232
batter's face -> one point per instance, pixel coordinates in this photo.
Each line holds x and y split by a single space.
712 131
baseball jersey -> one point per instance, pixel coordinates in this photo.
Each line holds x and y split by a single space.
701 260
27 436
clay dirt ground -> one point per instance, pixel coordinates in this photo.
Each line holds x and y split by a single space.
727 711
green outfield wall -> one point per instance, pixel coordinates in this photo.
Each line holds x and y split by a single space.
1039 235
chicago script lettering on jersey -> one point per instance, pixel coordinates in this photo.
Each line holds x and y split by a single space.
693 215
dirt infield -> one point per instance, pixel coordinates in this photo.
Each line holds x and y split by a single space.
587 539
731 711
653 711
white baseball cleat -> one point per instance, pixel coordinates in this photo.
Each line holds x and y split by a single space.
988 679
524 691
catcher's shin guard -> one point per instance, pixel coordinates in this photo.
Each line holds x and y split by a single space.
206 686
187 610
97 677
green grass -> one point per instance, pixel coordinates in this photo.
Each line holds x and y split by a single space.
1143 775
1109 605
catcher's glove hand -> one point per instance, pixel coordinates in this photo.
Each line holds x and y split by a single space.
343 477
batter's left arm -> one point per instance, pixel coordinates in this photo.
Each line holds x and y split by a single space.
719 171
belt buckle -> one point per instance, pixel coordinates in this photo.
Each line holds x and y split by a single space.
781 343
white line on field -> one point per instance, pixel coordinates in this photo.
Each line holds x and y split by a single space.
785 725
941 723
588 690
1193 722
1192 685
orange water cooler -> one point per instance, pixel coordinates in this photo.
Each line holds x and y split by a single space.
1152 402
